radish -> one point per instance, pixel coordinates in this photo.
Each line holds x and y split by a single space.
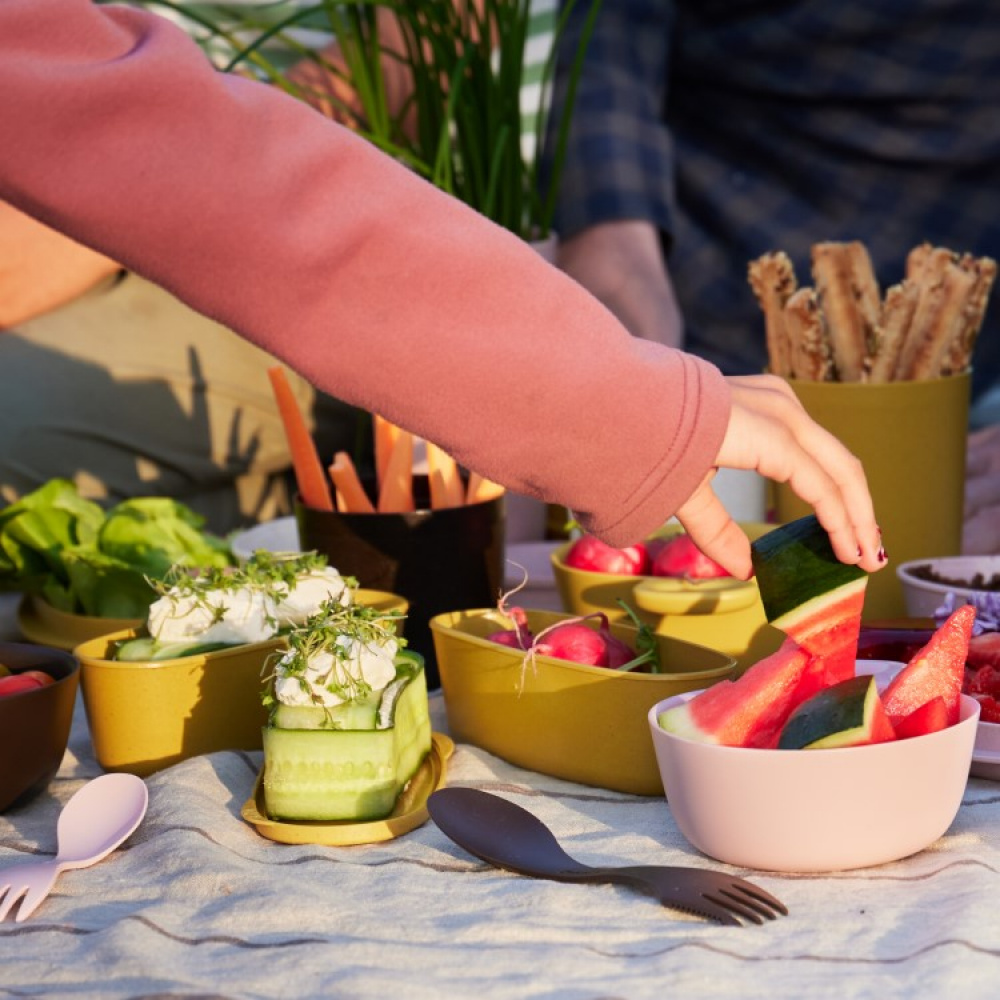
575 641
519 637
590 553
681 557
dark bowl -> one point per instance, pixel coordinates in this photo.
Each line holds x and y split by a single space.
35 724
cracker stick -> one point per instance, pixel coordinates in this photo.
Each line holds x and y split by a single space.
893 325
938 318
917 260
849 297
959 356
811 358
350 494
772 278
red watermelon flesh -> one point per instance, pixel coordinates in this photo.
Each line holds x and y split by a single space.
937 670
929 718
830 629
984 650
751 711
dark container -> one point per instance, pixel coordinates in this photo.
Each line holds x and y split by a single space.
448 559
35 724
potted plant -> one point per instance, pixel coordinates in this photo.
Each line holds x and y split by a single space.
456 89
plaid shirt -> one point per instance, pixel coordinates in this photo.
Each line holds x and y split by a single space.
741 126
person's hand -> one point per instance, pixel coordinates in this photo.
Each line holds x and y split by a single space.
41 269
981 531
622 265
769 431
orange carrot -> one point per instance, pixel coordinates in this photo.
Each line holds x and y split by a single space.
385 434
396 494
350 494
312 484
445 482
481 489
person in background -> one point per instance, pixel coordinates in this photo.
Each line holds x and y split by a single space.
385 292
111 381
706 134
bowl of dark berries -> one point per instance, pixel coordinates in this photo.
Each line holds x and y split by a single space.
929 583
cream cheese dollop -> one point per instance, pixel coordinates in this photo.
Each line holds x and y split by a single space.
309 591
224 615
332 678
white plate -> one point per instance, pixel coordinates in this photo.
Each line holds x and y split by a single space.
985 765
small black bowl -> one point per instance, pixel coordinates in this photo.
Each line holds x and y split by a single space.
35 724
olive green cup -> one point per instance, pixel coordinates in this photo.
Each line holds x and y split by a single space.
911 439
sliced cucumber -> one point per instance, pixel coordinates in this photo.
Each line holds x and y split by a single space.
360 714
148 648
350 774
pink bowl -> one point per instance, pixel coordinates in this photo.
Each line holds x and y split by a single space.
815 810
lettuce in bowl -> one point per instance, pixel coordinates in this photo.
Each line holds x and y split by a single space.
81 559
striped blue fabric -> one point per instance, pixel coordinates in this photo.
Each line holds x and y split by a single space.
741 126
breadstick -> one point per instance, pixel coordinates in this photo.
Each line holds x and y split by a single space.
347 488
938 318
893 325
811 357
959 356
772 278
917 260
849 298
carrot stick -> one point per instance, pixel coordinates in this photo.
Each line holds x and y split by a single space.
396 494
445 482
350 494
481 489
309 475
386 434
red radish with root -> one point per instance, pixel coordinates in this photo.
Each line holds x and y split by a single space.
576 641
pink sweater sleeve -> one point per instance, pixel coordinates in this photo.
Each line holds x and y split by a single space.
255 210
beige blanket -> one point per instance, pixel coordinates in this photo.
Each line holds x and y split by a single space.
197 904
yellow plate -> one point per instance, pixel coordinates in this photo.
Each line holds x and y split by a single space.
410 811
40 622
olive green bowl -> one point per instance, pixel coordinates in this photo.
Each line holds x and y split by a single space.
572 721
147 715
43 623
724 614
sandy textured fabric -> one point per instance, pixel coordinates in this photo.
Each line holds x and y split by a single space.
129 393
373 285
197 904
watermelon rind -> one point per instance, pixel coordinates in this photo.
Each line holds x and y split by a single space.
839 716
813 608
796 568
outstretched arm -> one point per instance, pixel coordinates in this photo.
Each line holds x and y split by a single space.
375 286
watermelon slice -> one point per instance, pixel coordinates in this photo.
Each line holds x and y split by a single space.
937 670
750 711
847 714
809 594
929 718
